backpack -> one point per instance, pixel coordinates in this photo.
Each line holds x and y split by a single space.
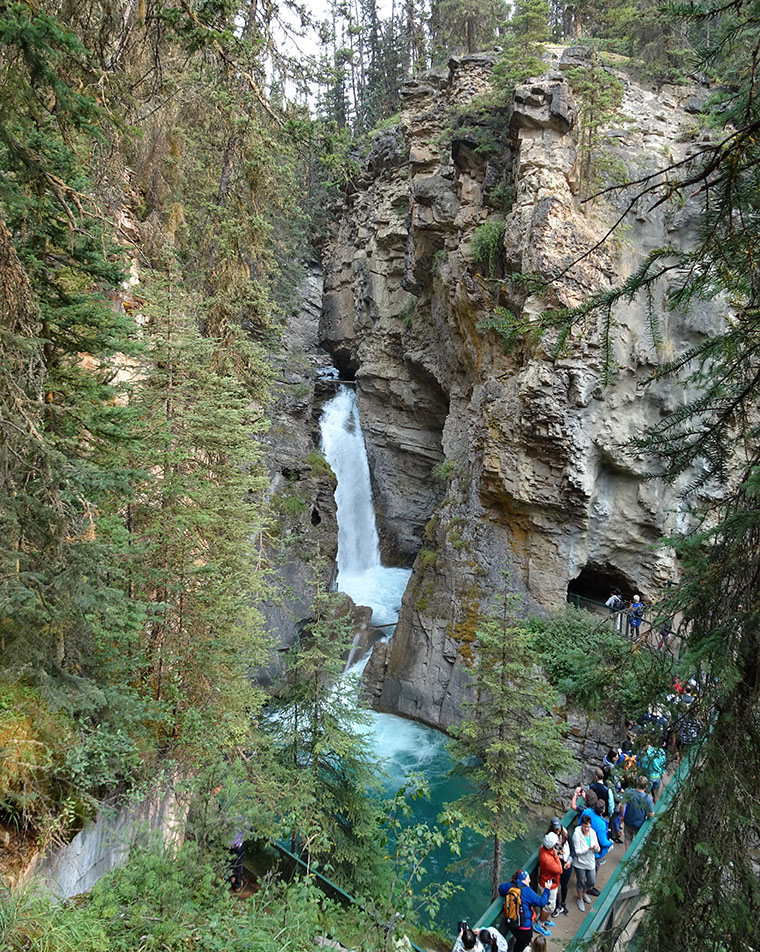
629 769
513 907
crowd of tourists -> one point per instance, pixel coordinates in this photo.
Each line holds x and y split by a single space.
610 811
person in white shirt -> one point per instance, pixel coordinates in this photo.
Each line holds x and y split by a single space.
585 846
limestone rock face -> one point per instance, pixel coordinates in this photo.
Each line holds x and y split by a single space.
489 458
302 544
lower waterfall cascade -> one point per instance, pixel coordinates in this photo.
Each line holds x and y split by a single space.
402 746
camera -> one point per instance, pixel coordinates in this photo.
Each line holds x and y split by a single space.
461 925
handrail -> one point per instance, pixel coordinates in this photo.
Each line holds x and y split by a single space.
616 614
332 887
604 905
574 599
492 913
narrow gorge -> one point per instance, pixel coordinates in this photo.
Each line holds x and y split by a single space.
485 461
347 354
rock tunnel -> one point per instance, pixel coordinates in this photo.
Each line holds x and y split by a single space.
595 583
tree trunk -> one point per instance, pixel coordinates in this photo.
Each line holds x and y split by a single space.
228 164
496 870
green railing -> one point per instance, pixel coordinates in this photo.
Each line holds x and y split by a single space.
580 601
619 897
328 887
492 915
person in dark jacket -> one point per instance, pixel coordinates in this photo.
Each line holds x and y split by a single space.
529 901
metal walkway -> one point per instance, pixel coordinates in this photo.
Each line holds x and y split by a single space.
619 897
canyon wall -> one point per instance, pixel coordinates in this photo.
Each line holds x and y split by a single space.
504 467
301 544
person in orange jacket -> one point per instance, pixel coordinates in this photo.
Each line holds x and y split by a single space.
549 870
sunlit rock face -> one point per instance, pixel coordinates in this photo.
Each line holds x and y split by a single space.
486 461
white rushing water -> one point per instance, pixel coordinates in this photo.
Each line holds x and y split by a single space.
360 571
401 746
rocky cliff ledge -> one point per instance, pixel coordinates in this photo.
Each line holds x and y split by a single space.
486 460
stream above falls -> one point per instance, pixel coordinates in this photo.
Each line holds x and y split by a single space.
402 746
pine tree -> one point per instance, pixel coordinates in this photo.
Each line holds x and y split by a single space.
599 96
317 725
509 744
526 33
193 522
460 27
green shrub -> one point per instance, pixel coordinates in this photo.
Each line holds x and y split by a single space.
443 471
407 313
34 741
584 657
319 465
439 259
503 196
488 245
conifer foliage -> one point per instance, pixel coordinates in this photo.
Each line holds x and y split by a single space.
140 235
697 871
509 740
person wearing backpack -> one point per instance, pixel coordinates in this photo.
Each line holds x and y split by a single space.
638 805
616 605
519 903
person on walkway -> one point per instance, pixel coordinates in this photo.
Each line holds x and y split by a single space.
492 940
538 944
549 871
653 765
567 864
616 605
610 761
626 768
636 807
599 826
635 615
602 791
523 931
588 798
585 846
467 941
666 636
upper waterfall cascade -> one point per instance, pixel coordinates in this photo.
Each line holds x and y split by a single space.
343 445
360 571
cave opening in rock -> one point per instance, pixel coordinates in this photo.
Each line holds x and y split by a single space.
596 583
346 364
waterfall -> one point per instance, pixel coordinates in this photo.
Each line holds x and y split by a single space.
402 746
343 447
360 571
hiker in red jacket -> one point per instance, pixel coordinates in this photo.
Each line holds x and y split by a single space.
549 870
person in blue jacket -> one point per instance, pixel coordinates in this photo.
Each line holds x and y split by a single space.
529 901
599 826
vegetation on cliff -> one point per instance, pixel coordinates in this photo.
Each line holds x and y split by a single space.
156 188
